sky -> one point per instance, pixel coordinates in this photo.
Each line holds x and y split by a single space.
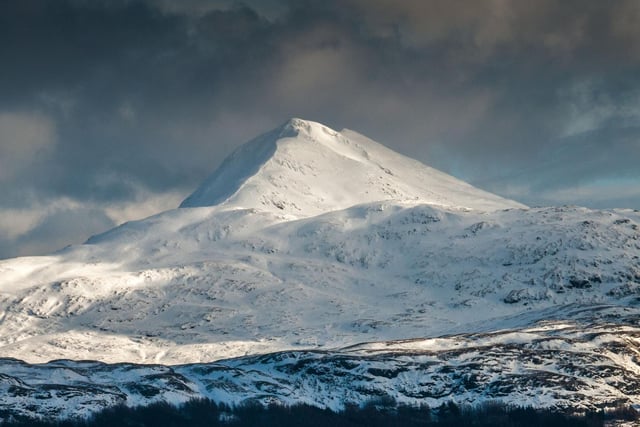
115 110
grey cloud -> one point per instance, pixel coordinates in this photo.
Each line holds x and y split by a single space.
152 94
55 230
25 138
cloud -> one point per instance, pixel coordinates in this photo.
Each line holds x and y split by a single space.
145 204
17 222
46 226
114 99
598 193
197 8
43 228
24 139
61 228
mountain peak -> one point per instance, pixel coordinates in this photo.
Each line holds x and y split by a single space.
306 130
305 168
295 126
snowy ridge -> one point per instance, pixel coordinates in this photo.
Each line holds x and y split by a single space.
555 365
281 250
231 282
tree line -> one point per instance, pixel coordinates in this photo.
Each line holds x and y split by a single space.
377 413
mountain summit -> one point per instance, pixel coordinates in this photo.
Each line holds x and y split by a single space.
304 168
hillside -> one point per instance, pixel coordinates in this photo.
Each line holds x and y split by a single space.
310 241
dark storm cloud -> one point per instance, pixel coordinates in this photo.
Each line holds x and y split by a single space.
116 79
103 101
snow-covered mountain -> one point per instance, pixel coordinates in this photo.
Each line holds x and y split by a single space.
305 169
307 239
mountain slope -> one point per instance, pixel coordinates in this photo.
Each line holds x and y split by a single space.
309 239
554 365
226 283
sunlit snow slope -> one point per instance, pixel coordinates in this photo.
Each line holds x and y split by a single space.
304 168
308 238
